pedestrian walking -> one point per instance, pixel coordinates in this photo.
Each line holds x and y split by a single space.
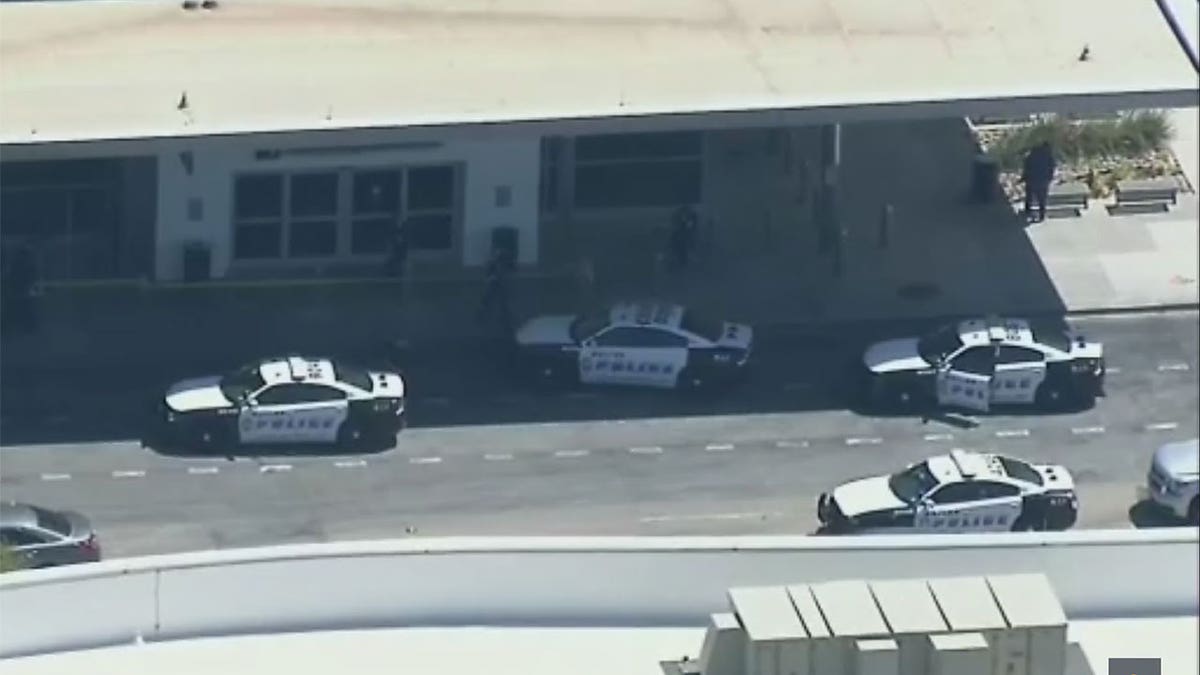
494 307
1037 174
684 223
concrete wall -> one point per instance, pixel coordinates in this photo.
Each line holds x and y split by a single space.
564 582
490 163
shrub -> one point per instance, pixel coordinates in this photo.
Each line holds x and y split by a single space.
1127 135
10 561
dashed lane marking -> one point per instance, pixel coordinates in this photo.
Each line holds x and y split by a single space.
274 468
864 441
1012 433
571 453
136 473
1083 431
498 456
351 464
718 447
1112 369
1173 367
203 470
56 476
939 437
648 450
1162 426
425 460
791 444
710 516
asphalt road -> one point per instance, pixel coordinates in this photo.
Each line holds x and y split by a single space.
485 459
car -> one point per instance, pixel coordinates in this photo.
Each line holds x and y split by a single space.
977 364
645 344
283 400
962 491
1173 483
42 537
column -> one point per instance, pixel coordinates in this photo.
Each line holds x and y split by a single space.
828 221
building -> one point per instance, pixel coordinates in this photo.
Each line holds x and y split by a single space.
288 138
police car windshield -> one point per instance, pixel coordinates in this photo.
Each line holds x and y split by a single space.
912 483
586 326
697 324
242 381
1020 470
939 344
351 375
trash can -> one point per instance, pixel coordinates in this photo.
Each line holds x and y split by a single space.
197 261
504 242
984 176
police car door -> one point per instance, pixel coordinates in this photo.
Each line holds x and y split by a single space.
662 356
965 381
292 412
1019 372
604 356
948 508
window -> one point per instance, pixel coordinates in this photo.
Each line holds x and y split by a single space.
11 536
638 146
912 483
376 192
431 231
283 394
941 343
352 375
659 337
317 393
258 196
241 382
1055 334
1019 470
620 337
957 493
431 188
638 170
993 490
312 239
698 324
977 361
253 241
552 150
1009 354
49 520
585 327
313 195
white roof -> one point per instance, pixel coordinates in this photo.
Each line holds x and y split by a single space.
118 69
653 313
993 329
296 369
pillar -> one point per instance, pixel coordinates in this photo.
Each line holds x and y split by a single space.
828 222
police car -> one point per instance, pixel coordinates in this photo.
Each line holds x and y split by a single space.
962 491
635 344
980 363
286 400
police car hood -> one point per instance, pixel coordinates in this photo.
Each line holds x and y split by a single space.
866 495
546 330
894 355
201 393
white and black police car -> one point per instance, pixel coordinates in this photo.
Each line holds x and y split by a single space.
634 344
285 400
980 363
962 491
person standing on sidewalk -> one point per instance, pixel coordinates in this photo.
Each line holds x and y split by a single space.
1037 175
684 223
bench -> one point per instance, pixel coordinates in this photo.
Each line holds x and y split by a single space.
1145 196
1067 199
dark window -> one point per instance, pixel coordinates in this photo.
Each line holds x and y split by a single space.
1008 354
352 375
939 344
317 393
285 394
314 194
257 240
620 337
12 536
993 490
551 162
1020 470
258 196
242 381
657 337
957 493
1051 333
55 522
369 236
912 483
638 184
432 231
698 324
977 361
585 327
431 187
312 239
635 146
376 192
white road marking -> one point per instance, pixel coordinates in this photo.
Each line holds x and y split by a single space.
1173 367
718 447
709 516
1012 433
649 450
351 464
56 476
203 470
939 437
1162 426
1109 370
425 460
275 468
1080 431
791 444
864 441
571 453
498 456
137 473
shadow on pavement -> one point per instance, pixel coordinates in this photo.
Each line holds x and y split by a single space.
1146 514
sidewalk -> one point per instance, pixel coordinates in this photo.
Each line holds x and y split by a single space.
759 262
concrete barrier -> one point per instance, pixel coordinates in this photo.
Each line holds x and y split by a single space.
556 581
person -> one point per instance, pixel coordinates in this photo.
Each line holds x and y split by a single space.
495 293
1037 175
683 233
397 258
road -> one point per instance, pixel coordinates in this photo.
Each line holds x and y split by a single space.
484 460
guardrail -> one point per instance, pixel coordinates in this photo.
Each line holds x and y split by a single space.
555 581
